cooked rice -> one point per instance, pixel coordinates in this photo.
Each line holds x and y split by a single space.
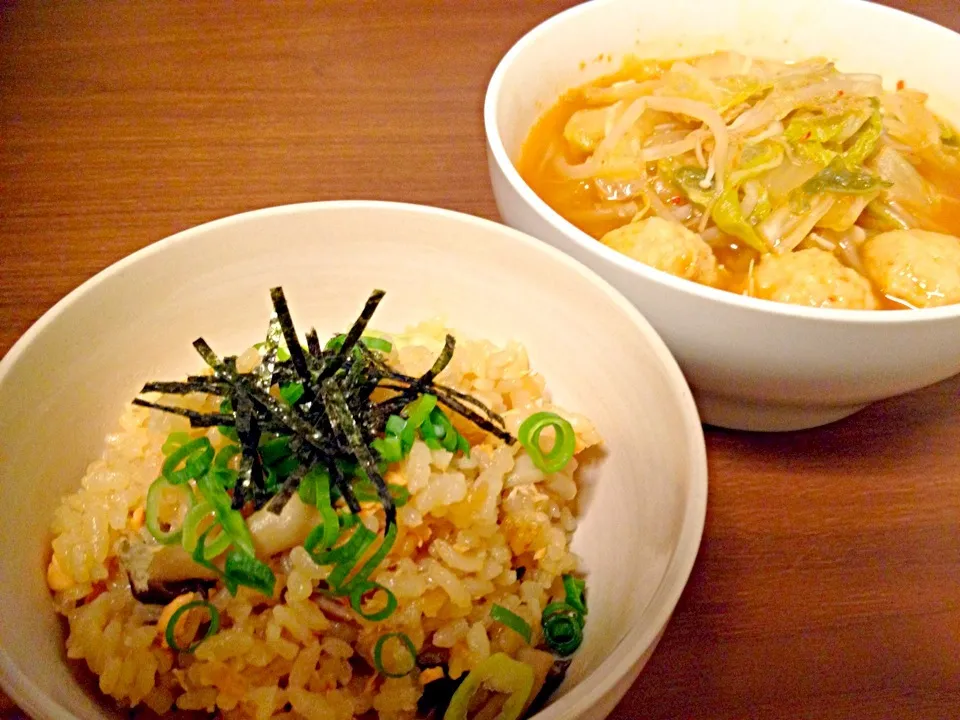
469 524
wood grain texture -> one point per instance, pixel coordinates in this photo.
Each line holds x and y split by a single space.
827 583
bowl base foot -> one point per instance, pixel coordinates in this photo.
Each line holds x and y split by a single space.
739 414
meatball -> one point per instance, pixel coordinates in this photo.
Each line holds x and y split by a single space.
666 246
916 266
812 277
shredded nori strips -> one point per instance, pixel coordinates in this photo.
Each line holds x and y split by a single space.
332 422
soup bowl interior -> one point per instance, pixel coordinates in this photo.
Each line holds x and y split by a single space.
63 386
752 364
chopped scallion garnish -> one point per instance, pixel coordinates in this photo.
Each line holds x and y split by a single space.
389 448
196 456
225 455
562 628
360 588
274 450
291 392
315 490
212 628
244 569
374 343
233 523
229 432
419 410
378 654
513 621
555 459
575 588
174 440
152 511
191 525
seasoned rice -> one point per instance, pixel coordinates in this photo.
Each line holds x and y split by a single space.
469 525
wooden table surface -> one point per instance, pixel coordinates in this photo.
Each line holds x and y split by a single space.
828 582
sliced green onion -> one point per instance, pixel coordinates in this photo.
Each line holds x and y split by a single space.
191 524
244 569
439 423
399 426
419 410
364 491
446 436
239 569
360 584
196 456
234 525
498 671
389 447
283 354
401 496
395 425
199 557
152 511
291 392
286 466
347 556
270 483
561 453
449 440
374 343
324 535
561 608
348 577
562 628
228 431
574 588
359 589
347 468
349 552
226 476
274 450
463 445
444 429
378 654
429 434
335 343
513 621
225 455
307 492
374 561
174 440
212 628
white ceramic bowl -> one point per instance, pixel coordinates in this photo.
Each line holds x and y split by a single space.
63 385
752 364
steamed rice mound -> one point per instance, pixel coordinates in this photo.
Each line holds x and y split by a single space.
469 525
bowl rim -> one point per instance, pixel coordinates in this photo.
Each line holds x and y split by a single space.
585 242
629 650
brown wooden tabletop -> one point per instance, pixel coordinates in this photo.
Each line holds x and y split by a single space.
828 582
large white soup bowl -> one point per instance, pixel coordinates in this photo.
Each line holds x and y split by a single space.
752 364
